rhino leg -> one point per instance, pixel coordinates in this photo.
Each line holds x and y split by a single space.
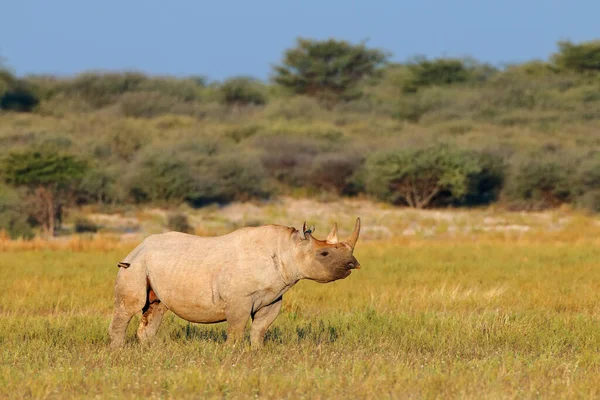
261 320
130 297
237 317
151 320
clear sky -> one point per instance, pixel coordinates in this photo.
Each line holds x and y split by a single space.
219 39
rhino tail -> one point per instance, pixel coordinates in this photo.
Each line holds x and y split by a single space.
123 265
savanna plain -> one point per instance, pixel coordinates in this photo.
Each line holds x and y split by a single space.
459 304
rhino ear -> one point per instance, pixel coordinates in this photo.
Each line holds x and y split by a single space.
332 237
306 232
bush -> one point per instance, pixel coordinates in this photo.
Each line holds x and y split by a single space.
178 222
98 186
541 180
486 186
19 99
14 218
288 159
227 177
333 172
196 172
84 225
146 104
581 57
588 182
160 175
418 176
242 91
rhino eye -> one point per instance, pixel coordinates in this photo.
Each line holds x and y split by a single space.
324 253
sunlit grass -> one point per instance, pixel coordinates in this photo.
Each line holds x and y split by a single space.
425 318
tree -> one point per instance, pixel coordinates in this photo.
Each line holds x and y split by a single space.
20 98
417 176
242 91
582 57
49 176
330 70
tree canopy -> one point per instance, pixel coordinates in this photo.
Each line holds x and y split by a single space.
329 69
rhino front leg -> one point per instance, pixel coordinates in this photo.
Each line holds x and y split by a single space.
237 317
261 320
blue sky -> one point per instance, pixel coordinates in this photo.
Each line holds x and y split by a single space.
219 39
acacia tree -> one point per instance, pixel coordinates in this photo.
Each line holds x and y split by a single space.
417 176
49 176
581 57
329 70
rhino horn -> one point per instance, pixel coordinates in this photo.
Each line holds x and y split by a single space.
332 237
354 236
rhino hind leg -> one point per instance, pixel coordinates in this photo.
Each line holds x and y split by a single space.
151 319
130 297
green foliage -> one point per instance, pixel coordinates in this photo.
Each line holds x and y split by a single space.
178 222
227 177
542 180
19 98
159 175
442 71
13 214
330 70
582 57
168 140
50 178
197 173
417 176
42 168
98 186
242 91
7 80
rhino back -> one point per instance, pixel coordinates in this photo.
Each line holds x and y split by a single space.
198 277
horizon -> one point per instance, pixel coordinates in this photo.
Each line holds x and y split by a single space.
222 41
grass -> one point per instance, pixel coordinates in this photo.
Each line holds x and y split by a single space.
423 318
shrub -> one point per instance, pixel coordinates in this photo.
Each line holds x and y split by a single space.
541 180
19 99
14 217
146 104
588 182
98 186
84 225
178 222
581 57
196 172
228 177
160 175
486 185
288 159
242 91
333 172
417 176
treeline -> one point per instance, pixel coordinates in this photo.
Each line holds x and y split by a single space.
336 118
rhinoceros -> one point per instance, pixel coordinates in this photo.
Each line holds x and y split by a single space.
232 278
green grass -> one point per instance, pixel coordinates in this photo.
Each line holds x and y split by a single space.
430 318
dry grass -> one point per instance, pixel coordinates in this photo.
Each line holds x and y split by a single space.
480 314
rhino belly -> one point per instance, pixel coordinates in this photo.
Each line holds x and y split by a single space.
189 296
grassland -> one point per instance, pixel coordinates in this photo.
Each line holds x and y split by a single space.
435 313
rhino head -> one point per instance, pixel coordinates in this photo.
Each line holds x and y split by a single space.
326 260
